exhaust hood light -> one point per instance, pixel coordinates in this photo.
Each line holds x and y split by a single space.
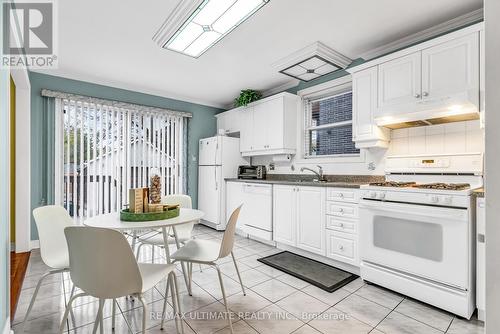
203 23
455 108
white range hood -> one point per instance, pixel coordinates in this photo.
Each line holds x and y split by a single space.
429 112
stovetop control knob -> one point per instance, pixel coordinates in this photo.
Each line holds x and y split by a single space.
434 199
381 195
373 194
447 200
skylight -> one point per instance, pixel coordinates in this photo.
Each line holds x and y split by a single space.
208 24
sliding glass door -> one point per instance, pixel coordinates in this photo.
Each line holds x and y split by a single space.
104 150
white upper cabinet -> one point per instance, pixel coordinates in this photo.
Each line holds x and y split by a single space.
364 105
246 127
266 127
437 79
399 82
452 68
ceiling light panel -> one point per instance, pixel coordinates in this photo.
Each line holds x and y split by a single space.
312 62
207 24
310 68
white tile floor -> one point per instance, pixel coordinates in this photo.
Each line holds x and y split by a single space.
276 303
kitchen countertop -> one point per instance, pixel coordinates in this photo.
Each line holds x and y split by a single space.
336 181
479 192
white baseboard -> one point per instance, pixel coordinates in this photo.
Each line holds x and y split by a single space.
34 244
6 328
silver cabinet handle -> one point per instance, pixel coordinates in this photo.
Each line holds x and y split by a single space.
341 247
417 96
425 94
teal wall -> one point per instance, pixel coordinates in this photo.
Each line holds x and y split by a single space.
203 124
4 189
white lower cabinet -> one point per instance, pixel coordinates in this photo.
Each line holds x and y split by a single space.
284 214
299 217
342 225
311 219
480 260
342 247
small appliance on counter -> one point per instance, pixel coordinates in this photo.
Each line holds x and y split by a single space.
252 172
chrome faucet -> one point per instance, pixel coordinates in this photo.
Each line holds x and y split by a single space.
319 173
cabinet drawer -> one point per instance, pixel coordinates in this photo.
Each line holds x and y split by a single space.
342 209
342 247
341 224
342 195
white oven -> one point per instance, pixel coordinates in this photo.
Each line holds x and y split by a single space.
424 241
416 229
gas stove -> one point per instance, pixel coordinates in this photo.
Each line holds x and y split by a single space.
416 229
434 185
445 180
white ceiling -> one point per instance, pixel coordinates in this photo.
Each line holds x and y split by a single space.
110 42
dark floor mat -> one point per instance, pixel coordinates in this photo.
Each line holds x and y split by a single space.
319 274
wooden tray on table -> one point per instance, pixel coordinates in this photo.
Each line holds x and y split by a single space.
171 211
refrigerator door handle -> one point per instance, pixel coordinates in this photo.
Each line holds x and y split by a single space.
216 185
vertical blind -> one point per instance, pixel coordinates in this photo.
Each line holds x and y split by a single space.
103 150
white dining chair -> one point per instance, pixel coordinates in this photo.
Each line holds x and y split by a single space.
181 234
103 266
51 220
183 231
208 252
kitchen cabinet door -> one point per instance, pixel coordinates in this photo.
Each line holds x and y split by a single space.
342 247
260 127
311 219
364 106
399 83
284 214
246 129
234 198
451 69
480 259
274 119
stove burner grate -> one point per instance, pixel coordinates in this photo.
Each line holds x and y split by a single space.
443 186
393 184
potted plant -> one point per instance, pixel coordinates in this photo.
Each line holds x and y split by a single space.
247 96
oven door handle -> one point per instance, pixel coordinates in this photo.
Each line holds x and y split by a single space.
415 209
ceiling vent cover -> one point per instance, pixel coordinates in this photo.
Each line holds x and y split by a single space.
312 62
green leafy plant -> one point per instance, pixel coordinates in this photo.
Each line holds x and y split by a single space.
247 96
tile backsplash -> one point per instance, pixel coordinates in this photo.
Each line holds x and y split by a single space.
459 137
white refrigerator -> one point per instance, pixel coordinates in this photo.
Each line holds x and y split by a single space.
219 158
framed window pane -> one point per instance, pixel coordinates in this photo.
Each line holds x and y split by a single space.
332 110
332 141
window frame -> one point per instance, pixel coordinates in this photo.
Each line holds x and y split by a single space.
326 90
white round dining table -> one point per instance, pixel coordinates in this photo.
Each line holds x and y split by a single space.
113 221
